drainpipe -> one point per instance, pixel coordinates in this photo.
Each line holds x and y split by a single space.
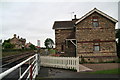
76 48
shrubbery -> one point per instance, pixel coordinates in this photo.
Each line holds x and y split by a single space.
118 44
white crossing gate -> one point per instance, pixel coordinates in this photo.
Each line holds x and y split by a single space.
60 62
32 69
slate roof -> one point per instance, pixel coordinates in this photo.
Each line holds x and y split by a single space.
70 24
98 11
63 25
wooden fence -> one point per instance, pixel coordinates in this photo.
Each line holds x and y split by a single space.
60 62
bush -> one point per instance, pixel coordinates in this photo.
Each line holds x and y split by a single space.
52 51
8 46
56 55
32 47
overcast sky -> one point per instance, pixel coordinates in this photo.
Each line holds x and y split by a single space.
34 20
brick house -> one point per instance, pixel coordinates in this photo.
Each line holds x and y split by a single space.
91 37
28 45
18 42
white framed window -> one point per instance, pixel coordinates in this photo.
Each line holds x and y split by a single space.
95 21
95 24
96 47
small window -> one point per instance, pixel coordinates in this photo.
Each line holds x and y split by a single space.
95 21
95 24
96 47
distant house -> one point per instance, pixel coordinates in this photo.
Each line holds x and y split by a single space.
18 42
91 37
28 45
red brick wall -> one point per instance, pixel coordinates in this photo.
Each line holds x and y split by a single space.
104 35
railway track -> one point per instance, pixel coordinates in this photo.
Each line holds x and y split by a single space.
11 61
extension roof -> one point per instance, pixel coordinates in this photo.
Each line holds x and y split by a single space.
63 25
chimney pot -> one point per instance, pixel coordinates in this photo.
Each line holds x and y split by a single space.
75 17
14 35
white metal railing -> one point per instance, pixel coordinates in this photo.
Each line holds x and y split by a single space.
60 62
32 69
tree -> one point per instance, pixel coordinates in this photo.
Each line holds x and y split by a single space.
118 33
32 47
6 41
118 44
49 43
8 46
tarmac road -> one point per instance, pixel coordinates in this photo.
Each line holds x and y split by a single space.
60 73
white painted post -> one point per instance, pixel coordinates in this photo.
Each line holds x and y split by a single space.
77 64
20 72
36 64
39 61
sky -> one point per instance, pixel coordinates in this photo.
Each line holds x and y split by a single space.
34 20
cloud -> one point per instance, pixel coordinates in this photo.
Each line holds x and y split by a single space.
34 20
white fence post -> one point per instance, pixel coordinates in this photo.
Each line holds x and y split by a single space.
36 64
20 71
77 65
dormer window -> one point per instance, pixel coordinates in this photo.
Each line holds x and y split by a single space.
95 21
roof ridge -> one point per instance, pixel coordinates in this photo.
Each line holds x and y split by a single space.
98 11
63 21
